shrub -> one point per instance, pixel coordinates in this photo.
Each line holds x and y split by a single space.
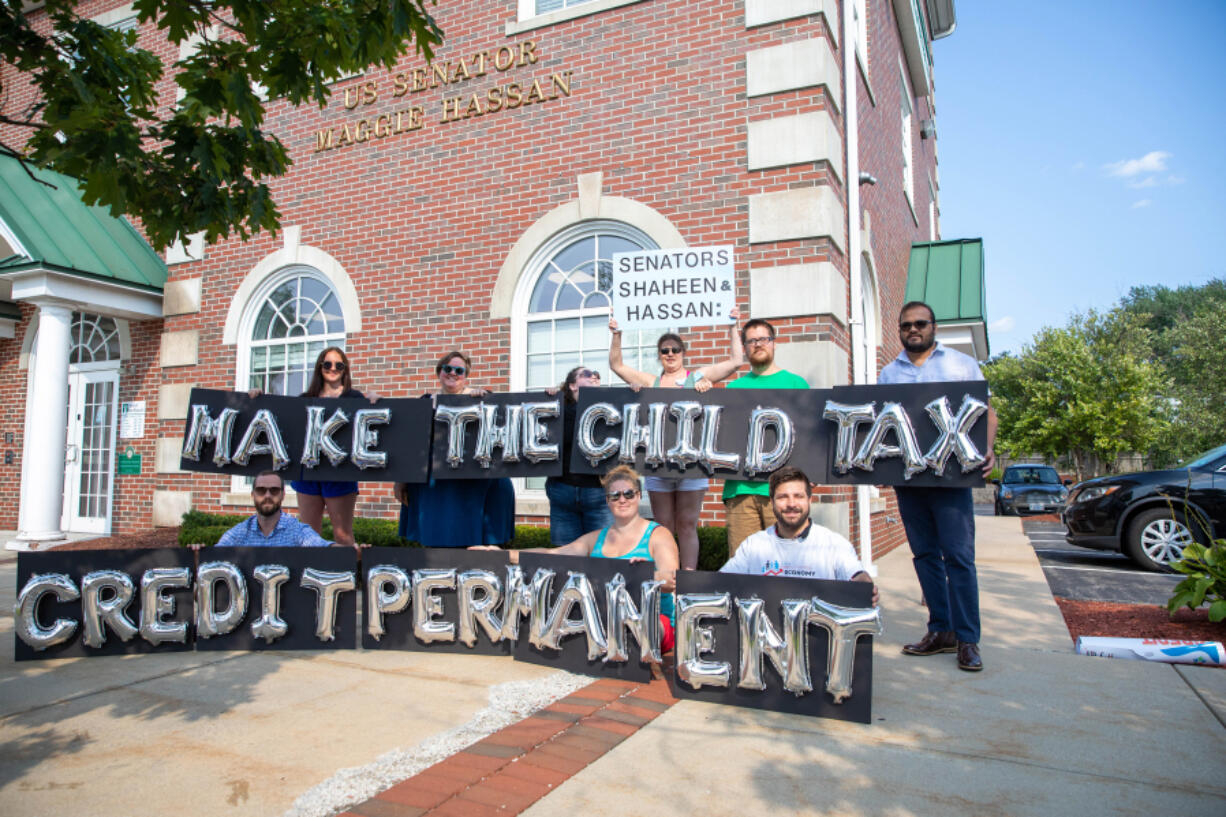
712 547
1205 568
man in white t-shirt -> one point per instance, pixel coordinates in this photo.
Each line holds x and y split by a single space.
794 546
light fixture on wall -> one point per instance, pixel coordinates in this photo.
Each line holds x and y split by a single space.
867 178
928 129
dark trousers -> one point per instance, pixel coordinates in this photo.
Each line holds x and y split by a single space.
940 524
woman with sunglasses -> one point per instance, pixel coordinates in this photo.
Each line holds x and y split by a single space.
457 512
576 501
677 501
627 536
331 378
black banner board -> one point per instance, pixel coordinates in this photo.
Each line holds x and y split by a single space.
773 591
404 438
573 655
398 633
76 565
466 461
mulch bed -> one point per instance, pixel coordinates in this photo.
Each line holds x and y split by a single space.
156 538
1100 618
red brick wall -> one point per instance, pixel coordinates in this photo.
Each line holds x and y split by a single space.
423 220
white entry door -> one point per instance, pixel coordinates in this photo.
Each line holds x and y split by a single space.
89 475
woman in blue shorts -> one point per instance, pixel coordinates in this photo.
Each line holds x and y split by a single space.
677 501
330 379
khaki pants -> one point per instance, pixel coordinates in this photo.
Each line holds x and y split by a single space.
745 515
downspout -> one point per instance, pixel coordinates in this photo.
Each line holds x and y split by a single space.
851 181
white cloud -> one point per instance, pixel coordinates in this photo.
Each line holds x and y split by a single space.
1137 205
1004 324
1148 181
1152 162
1173 180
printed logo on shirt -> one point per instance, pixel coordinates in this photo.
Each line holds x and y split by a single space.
771 567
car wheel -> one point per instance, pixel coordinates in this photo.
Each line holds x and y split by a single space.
1157 537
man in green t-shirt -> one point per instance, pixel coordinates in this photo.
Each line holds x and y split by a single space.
748 504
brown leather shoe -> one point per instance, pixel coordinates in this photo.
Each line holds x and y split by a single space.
968 657
932 644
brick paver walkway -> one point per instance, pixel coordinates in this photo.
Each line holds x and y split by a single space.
511 769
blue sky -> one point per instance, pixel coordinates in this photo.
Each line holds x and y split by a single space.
1084 142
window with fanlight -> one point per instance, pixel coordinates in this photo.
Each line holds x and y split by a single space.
295 317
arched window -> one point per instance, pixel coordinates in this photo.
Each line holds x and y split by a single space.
94 338
294 317
564 298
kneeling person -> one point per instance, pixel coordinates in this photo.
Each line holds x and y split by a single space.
269 527
794 546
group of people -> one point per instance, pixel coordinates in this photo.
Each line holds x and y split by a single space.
768 522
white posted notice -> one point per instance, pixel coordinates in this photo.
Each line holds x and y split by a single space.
692 286
132 420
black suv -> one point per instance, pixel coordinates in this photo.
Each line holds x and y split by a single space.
1025 489
1152 515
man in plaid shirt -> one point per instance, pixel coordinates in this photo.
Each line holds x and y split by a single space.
269 527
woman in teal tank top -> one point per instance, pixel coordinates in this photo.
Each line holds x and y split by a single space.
629 537
677 501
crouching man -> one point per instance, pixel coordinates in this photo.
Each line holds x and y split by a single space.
794 546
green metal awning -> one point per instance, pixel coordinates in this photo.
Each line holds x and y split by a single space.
948 276
9 311
58 232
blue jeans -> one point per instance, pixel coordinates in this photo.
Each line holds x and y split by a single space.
575 511
940 524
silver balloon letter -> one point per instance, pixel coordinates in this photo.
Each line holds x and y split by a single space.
507 436
576 592
516 602
387 591
845 626
643 623
892 418
205 429
788 653
264 423
319 437
479 591
848 416
209 621
758 461
28 628
599 412
457 419
693 639
683 454
155 606
709 457
535 433
649 437
426 605
328 586
105 594
366 438
955 434
270 626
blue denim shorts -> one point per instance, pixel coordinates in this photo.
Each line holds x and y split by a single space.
324 489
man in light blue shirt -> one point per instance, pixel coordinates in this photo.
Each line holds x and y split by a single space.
269 527
940 522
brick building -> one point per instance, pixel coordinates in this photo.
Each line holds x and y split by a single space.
465 204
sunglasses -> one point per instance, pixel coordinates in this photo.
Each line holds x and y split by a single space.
759 341
920 325
329 365
588 373
261 491
671 350
457 370
629 493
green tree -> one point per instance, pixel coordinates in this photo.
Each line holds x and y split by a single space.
1087 392
201 163
1186 341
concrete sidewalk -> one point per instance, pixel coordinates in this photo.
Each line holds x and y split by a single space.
1040 731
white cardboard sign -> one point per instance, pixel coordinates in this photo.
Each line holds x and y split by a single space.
691 286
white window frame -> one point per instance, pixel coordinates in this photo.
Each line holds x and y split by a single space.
860 15
528 18
242 366
907 112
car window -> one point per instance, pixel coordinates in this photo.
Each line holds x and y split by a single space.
1040 475
1208 457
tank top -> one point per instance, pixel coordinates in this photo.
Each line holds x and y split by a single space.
640 551
688 383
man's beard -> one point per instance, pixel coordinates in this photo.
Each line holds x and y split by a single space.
921 345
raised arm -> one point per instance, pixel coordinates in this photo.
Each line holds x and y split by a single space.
664 553
736 358
632 376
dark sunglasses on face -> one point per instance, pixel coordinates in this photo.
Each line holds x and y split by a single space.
671 350
629 493
920 325
329 365
588 373
456 370
260 490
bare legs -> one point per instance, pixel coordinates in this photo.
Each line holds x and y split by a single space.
678 511
340 511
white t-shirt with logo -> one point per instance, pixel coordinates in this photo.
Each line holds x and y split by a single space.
819 554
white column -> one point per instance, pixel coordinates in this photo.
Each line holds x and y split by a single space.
42 490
